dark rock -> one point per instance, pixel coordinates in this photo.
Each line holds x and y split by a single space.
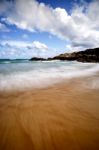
89 55
37 59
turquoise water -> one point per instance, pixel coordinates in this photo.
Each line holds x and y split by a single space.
22 74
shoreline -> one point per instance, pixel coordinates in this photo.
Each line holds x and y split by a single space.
62 116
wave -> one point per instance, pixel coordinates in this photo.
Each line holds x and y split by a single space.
45 76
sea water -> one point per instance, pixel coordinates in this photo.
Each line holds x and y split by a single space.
25 74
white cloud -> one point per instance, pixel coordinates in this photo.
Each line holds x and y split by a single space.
23 44
15 44
21 49
81 28
39 45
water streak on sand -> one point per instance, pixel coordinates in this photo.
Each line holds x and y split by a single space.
57 118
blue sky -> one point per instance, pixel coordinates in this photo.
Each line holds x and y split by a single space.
46 28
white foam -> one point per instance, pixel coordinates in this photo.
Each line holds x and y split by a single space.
44 77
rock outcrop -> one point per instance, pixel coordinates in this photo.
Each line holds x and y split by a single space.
89 55
37 59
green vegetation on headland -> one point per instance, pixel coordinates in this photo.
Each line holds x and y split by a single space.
89 55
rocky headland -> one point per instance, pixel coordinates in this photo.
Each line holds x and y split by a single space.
37 59
89 55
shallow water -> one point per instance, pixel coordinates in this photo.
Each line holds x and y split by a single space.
20 75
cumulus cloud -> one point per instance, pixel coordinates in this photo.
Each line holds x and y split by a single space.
39 45
21 48
23 44
80 28
17 44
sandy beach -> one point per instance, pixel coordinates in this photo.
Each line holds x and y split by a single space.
61 117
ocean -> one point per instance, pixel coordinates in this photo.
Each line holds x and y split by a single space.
25 74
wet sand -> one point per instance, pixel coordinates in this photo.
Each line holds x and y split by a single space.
61 117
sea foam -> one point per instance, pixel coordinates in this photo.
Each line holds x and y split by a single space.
39 75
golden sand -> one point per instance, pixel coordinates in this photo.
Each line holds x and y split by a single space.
62 117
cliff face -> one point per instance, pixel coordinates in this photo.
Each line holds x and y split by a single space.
89 55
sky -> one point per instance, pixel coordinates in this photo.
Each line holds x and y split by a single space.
45 28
